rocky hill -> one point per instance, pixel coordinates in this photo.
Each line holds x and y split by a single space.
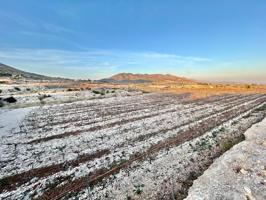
142 78
7 71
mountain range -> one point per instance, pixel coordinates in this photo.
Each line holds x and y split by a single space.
8 71
151 78
121 78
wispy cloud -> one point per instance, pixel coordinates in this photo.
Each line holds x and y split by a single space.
173 56
55 28
38 28
96 63
18 19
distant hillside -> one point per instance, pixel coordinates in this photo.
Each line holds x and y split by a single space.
142 78
7 71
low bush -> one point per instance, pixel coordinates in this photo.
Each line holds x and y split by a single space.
1 103
138 189
95 92
10 100
43 96
262 108
226 145
74 89
17 88
98 92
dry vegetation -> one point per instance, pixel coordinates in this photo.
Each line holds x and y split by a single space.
203 90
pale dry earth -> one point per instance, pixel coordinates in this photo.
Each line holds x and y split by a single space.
239 174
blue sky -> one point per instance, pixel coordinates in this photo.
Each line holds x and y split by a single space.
216 40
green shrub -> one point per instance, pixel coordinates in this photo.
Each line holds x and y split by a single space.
17 88
98 92
138 189
222 129
226 145
229 143
261 108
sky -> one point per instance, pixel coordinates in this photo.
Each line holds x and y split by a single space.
211 40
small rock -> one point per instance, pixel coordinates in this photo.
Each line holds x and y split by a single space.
248 194
264 143
243 171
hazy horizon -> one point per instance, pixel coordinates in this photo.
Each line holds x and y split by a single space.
221 41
